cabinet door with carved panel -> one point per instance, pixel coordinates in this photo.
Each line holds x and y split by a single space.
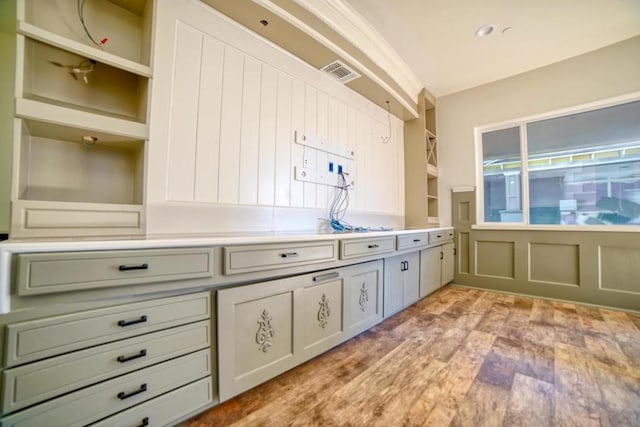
363 297
257 331
322 311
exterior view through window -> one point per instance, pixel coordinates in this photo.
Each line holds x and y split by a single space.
581 168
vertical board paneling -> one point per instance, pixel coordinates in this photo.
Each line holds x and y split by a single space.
208 138
297 151
284 141
310 125
230 125
250 132
267 151
365 167
321 156
184 115
353 143
342 137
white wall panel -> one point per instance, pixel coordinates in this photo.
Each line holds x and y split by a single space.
322 132
250 133
310 154
210 105
229 164
225 106
354 144
185 92
267 152
297 151
284 141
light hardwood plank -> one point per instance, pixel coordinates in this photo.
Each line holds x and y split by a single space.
429 365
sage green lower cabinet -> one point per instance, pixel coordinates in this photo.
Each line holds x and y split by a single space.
165 410
448 256
88 405
322 312
256 333
267 328
363 289
79 368
436 268
401 282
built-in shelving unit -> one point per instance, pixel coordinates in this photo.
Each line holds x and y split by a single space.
421 166
80 126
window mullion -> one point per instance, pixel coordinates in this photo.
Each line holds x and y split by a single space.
524 181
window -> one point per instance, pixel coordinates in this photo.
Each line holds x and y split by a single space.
581 168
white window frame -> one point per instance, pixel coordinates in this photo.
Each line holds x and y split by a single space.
521 122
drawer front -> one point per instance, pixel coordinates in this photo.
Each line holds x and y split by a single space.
99 401
165 410
29 384
407 241
37 339
60 272
363 247
440 236
244 259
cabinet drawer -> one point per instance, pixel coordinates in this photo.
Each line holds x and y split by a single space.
363 247
36 382
439 236
60 272
165 410
415 240
94 403
37 339
244 259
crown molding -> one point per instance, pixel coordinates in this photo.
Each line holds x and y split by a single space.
347 22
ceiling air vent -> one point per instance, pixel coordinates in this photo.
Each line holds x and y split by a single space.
340 71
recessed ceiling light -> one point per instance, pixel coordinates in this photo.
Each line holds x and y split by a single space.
485 30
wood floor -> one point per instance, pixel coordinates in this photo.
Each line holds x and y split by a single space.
462 357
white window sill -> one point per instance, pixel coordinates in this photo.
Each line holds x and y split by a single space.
550 227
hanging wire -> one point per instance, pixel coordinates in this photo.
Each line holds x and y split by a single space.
385 140
80 6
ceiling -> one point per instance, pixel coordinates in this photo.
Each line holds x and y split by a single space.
436 38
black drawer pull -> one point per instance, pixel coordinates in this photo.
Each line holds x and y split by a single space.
416 240
145 422
373 246
124 323
122 395
133 267
439 236
327 276
123 359
289 255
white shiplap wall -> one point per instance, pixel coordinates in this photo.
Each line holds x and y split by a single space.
225 106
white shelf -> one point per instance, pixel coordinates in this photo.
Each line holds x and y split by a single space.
31 109
81 49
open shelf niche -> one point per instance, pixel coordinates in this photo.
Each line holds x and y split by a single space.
421 166
80 126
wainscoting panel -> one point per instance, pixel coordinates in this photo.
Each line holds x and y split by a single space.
495 259
463 253
594 267
554 263
620 269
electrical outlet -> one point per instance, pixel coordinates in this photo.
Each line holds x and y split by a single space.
331 167
339 169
